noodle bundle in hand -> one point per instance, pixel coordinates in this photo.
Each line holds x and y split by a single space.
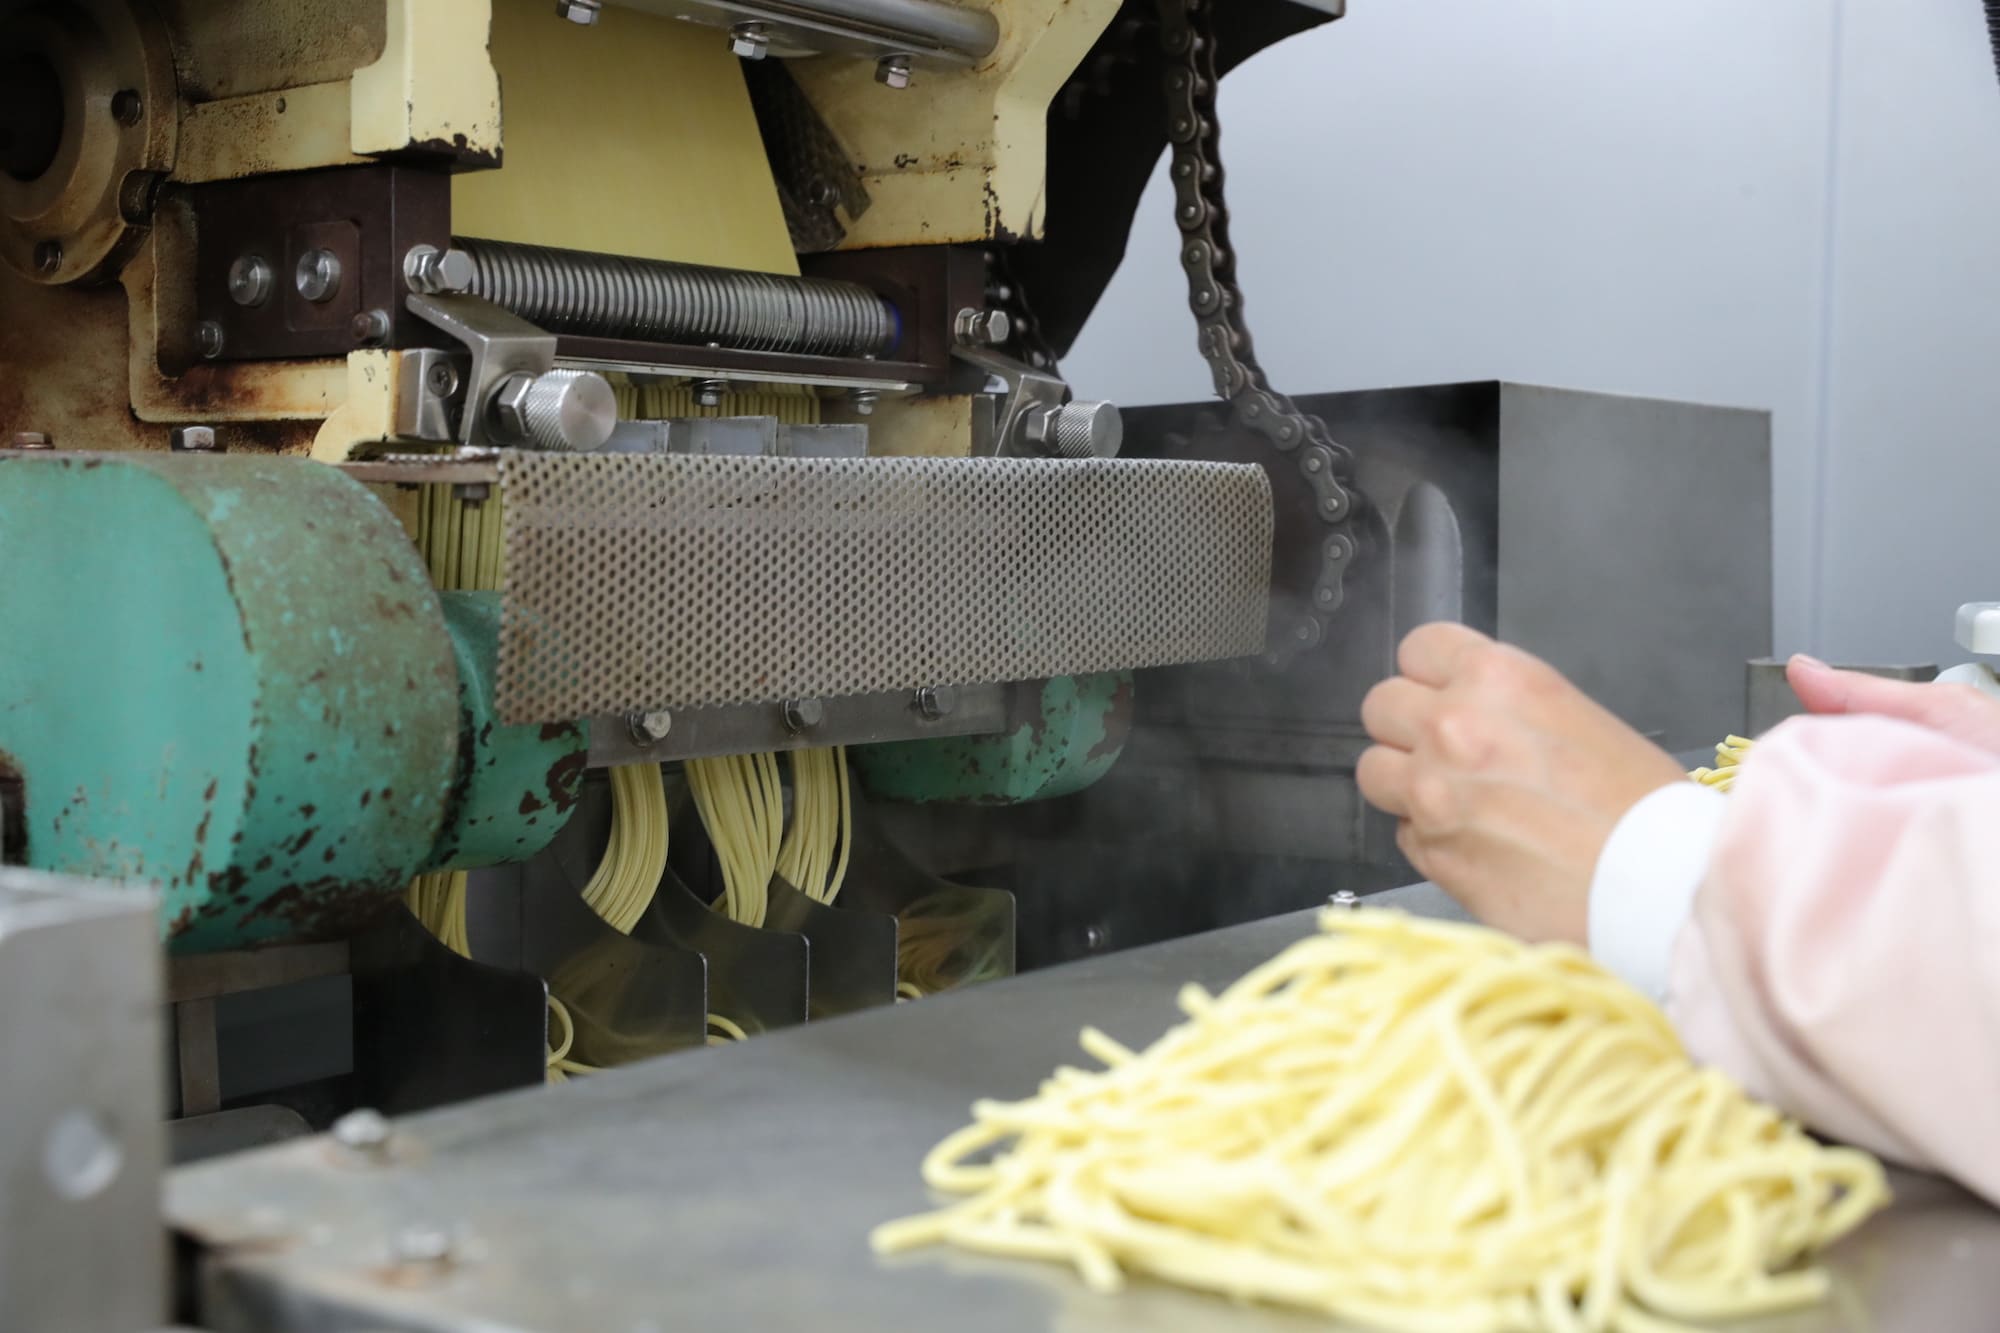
1413 1125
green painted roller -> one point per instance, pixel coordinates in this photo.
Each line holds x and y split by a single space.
515 786
1075 730
229 677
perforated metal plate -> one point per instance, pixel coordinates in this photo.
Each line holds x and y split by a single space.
676 582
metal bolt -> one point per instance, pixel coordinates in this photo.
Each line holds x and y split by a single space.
1093 938
429 270
975 328
48 256
442 379
936 701
708 393
803 714
863 401
192 440
751 41
1345 900
363 1130
825 194
318 275
893 70
651 727
208 337
579 11
250 280
507 405
127 106
370 328
31 439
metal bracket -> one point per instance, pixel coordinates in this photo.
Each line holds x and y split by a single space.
1027 397
427 385
501 343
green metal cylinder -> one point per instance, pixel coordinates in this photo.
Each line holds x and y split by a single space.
1073 732
516 786
227 676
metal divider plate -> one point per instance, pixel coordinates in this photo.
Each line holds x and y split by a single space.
681 582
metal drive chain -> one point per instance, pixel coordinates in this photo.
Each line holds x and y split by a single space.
1188 39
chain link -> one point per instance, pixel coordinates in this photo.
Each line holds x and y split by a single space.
1187 37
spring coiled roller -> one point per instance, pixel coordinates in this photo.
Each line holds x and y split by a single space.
610 296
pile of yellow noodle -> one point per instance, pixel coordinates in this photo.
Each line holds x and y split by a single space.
1728 756
1414 1125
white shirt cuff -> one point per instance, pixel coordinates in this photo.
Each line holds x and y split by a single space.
1643 890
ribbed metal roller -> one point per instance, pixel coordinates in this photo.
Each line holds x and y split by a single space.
611 296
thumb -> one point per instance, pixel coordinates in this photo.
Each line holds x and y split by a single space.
1954 709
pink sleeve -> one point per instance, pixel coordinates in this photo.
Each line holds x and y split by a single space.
1843 959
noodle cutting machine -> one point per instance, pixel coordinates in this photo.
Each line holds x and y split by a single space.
413 410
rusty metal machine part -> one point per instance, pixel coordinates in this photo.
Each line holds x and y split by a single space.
90 86
1187 37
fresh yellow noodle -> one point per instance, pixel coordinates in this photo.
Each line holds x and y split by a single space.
1413 1125
635 856
813 856
1728 755
742 807
437 900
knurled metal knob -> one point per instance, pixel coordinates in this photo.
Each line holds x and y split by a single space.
1078 430
558 409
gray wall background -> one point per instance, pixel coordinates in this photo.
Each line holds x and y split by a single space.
1786 204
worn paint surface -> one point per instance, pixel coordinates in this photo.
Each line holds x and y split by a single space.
960 155
1068 742
226 676
516 786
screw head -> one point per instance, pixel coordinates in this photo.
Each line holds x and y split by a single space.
318 275
441 379
48 257
362 1130
208 337
893 71
370 328
936 701
651 727
127 107
31 439
750 41
803 714
579 11
192 440
250 280
863 401
708 393
1345 900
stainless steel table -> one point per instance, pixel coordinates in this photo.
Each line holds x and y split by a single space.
734 1189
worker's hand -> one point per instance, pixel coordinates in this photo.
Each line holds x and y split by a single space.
1506 778
1958 711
